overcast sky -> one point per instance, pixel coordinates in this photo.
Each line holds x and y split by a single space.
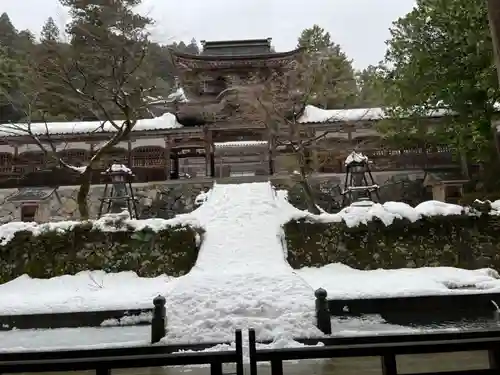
359 26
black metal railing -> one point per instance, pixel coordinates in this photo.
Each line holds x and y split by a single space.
411 310
385 347
102 361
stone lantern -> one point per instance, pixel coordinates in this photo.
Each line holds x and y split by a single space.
359 183
119 196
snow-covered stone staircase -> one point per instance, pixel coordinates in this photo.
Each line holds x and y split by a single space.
241 278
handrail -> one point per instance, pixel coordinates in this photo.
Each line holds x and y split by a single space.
103 360
425 344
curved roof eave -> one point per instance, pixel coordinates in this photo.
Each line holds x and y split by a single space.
260 56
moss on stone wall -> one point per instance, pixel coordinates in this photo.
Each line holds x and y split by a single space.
456 241
57 252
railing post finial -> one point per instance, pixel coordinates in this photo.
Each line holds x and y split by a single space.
158 322
323 321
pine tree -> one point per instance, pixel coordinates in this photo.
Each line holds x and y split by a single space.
192 47
50 32
8 34
336 87
371 87
315 39
109 47
11 82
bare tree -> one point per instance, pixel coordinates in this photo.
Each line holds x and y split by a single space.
277 102
104 72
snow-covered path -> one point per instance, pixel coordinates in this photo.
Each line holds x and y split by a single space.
241 278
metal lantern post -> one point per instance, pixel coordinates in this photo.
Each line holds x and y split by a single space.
121 195
359 183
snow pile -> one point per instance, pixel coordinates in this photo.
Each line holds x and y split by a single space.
165 121
355 157
241 278
80 169
496 205
119 168
9 230
359 214
85 291
129 320
108 223
343 282
177 96
201 198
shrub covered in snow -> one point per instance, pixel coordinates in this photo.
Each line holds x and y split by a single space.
113 244
395 235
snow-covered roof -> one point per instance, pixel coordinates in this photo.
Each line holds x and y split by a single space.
240 144
166 121
314 114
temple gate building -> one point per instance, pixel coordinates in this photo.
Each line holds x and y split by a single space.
196 137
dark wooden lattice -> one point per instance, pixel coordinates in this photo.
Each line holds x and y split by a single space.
115 155
76 157
148 156
30 161
6 162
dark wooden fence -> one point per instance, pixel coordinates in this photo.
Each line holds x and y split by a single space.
385 347
102 361
412 310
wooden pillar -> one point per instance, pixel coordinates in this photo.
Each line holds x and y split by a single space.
15 160
494 20
91 151
271 139
209 153
315 159
168 152
175 167
129 153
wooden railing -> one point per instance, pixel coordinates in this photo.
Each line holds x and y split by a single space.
387 347
102 361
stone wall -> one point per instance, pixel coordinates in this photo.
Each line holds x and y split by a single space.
154 200
8 211
168 198
405 186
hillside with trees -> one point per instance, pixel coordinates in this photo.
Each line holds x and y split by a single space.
29 77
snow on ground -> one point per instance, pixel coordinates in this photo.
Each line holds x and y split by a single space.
73 338
241 278
343 282
85 291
